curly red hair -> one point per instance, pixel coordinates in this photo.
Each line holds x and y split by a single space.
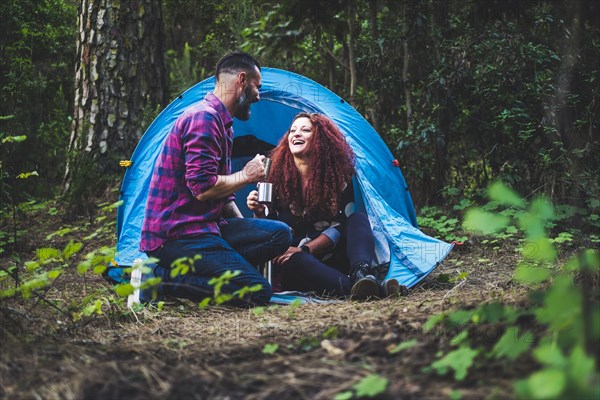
332 162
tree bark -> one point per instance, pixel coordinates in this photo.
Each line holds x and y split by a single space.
119 82
405 68
351 44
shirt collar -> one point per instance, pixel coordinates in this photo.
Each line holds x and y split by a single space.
220 108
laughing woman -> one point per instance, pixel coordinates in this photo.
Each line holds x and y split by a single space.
332 246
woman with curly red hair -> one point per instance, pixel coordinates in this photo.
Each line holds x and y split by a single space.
332 245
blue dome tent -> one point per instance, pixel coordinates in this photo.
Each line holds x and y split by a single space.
380 188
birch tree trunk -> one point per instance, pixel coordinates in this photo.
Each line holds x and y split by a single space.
119 80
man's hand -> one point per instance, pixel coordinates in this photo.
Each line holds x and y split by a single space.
254 171
254 206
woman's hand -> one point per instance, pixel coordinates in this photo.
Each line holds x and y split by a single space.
282 259
254 206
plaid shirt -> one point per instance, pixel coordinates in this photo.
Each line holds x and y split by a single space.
196 150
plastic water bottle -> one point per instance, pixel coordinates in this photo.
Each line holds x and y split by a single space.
136 281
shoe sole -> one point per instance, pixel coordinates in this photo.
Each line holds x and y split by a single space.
364 289
392 288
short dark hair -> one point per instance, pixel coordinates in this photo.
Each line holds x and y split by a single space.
236 61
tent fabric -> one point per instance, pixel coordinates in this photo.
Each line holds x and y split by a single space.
380 187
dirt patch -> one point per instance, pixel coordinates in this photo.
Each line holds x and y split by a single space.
186 352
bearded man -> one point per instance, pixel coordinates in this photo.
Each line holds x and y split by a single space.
190 212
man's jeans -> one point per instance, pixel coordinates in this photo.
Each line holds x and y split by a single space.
243 244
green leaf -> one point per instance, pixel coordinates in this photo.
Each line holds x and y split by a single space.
370 386
55 273
91 309
455 395
112 206
99 269
270 348
490 312
347 395
14 139
540 249
258 311
562 307
460 338
531 275
542 209
25 175
547 383
404 346
504 195
124 290
331 333
511 345
477 220
593 203
205 302
46 254
31 265
460 317
84 266
581 368
459 360
571 265
71 248
550 355
433 321
590 260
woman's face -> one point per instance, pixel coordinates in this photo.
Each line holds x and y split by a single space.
300 135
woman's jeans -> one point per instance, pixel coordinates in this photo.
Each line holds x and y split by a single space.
243 244
304 272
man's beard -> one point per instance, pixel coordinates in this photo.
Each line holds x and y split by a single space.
242 111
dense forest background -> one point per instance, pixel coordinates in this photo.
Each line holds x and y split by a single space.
463 92
492 109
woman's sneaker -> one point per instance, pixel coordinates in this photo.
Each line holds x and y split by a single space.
364 284
391 288
365 288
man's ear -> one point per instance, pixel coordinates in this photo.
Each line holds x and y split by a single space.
243 78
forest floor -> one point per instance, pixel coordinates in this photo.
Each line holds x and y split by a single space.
220 352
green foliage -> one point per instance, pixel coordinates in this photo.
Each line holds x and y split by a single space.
484 222
292 307
512 344
496 96
183 72
52 263
183 266
270 348
38 53
565 316
459 360
444 227
404 346
369 386
220 298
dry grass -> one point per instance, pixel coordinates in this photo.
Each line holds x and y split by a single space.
186 352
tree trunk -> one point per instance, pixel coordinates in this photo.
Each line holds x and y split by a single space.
405 67
351 44
119 82
439 23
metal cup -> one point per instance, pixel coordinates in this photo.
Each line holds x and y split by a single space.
265 192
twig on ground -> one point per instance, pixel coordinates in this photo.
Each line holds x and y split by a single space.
462 282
